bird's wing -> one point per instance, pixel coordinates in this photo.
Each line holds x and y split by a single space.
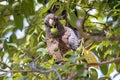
73 39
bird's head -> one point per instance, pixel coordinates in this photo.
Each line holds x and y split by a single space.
51 20
51 24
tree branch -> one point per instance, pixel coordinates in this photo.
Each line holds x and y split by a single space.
91 37
72 76
4 64
58 74
88 46
104 62
34 69
46 71
37 58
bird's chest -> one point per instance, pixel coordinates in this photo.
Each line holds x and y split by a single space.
61 42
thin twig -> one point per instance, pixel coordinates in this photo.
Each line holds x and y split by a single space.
104 62
58 74
72 76
88 46
35 70
99 23
46 71
4 64
37 58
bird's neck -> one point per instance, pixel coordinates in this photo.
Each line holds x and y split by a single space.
60 27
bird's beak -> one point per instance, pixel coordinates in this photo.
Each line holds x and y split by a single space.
51 22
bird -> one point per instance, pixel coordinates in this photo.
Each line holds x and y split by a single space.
60 39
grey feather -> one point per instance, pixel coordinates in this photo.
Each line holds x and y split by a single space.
73 40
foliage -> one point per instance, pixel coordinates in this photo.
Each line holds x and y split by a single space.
26 57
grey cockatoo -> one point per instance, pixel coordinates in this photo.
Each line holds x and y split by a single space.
60 39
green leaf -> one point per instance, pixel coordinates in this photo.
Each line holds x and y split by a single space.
104 78
13 38
93 47
73 5
111 69
73 58
22 78
104 69
45 8
32 41
1 77
51 61
117 5
93 73
81 13
5 45
2 21
69 53
41 1
59 11
12 44
41 44
27 7
7 30
118 66
27 59
38 76
80 69
1 55
107 53
42 50
18 19
116 24
11 1
101 8
72 18
16 60
62 67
